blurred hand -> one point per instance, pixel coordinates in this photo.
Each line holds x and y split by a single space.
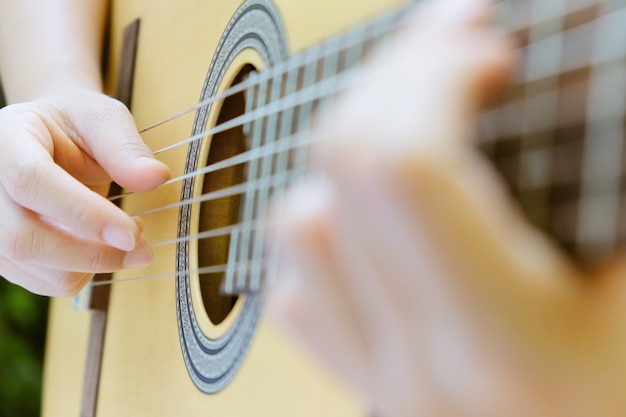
411 274
58 156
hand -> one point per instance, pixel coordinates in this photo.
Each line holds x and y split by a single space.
58 156
409 272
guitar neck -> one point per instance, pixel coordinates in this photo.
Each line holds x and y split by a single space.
556 137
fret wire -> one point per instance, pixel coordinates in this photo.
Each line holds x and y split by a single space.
540 110
231 267
248 105
330 67
354 53
240 256
309 74
263 194
287 127
282 160
603 150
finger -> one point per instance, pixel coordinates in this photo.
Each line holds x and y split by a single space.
339 305
308 300
58 284
431 326
105 128
34 181
431 92
28 238
436 91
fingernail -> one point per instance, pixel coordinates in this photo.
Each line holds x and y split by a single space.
154 164
118 237
140 223
460 11
141 256
151 161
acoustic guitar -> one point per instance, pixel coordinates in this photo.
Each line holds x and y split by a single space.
223 92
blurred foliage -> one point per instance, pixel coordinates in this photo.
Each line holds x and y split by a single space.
22 339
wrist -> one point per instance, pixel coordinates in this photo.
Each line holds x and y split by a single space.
51 83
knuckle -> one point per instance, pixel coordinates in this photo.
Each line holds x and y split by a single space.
20 244
22 113
117 107
129 145
24 181
112 109
82 217
97 262
71 283
102 259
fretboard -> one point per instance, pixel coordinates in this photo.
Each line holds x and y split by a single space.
556 137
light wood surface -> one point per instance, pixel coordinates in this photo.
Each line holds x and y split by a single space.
143 370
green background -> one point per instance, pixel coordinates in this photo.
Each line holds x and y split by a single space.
22 339
22 336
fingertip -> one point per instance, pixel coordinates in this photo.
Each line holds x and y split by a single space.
460 11
139 257
119 237
139 223
305 210
144 174
499 64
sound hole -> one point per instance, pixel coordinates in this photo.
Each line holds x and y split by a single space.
222 212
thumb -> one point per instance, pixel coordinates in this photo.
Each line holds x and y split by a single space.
108 133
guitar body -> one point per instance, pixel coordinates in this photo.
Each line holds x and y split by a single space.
144 370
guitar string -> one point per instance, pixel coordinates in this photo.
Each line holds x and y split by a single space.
281 145
264 111
300 97
326 88
284 101
359 35
279 179
211 168
603 147
595 40
179 272
270 183
170 274
174 274
320 89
